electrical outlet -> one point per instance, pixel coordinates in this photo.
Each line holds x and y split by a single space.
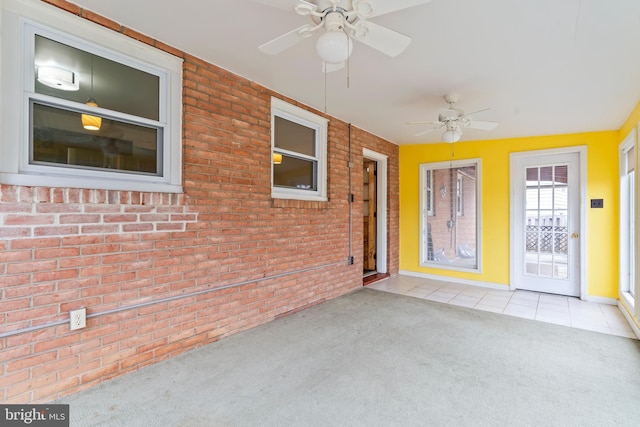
78 318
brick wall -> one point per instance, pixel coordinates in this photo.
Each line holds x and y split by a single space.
161 274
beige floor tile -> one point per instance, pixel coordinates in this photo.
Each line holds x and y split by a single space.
465 300
556 309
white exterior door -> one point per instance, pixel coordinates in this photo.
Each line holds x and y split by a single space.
546 223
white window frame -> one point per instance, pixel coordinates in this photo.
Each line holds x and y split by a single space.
21 21
424 218
629 274
319 124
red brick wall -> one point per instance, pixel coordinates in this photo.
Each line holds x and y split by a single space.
198 266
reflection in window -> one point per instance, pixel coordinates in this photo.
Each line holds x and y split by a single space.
297 146
59 139
449 223
112 85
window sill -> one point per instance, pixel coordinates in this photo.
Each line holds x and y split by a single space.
87 183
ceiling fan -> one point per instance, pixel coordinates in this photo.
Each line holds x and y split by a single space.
453 120
340 22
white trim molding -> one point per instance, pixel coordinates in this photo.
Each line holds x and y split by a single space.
458 280
381 207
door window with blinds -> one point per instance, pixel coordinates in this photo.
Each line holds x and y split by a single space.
450 206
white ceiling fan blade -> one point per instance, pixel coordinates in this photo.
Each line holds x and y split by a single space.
285 41
424 132
477 124
371 8
436 124
476 112
280 4
433 126
381 38
329 68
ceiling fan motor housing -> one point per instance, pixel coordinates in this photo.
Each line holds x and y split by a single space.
448 115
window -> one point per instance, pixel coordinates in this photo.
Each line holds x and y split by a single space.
449 224
628 237
299 145
87 116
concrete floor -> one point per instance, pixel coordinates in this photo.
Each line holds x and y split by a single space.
374 358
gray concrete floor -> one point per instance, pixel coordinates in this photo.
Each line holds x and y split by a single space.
374 358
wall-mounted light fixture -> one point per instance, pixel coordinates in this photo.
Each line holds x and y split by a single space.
57 78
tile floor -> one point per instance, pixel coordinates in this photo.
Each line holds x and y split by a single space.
567 311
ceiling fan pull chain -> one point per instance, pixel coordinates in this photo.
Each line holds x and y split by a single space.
325 90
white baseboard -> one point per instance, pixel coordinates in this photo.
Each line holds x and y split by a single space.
601 300
497 286
455 280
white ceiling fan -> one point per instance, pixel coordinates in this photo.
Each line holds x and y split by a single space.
453 120
340 22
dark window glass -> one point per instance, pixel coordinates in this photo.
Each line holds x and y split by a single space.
295 173
294 137
58 138
112 85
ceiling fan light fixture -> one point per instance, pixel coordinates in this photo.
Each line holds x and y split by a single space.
334 47
451 135
58 78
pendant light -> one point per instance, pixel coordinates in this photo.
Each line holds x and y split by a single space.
91 122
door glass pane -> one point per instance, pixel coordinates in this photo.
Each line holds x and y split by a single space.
546 221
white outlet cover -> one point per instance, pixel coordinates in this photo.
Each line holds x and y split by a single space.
78 319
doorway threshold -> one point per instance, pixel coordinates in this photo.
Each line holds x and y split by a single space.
373 277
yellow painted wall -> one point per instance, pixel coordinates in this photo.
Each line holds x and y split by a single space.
602 224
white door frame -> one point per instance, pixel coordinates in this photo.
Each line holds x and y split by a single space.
381 207
582 155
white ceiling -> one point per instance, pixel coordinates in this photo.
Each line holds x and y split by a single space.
542 66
